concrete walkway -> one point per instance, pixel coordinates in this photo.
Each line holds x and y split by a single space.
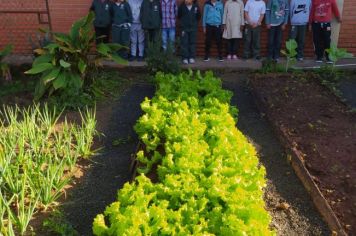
212 64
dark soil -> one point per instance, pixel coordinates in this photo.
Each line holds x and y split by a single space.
323 130
287 201
347 87
110 169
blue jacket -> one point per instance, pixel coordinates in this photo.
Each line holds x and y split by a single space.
277 12
213 15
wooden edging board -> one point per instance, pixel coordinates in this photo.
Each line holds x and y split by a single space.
296 159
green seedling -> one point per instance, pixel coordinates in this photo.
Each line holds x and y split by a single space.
290 53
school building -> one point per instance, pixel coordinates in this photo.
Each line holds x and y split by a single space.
20 20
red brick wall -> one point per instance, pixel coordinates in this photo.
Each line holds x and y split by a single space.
347 38
16 28
65 12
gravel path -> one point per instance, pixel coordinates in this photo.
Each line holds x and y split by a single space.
288 202
109 170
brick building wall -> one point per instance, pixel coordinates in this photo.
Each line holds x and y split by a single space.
16 28
347 37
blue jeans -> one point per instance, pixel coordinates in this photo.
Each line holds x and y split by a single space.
168 34
274 42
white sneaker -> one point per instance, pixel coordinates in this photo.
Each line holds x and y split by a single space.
191 61
229 57
185 61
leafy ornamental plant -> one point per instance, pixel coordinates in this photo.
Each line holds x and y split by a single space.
4 67
270 66
290 53
42 39
335 54
66 63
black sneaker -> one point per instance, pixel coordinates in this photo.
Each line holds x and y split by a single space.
328 61
140 58
319 60
132 58
206 58
258 58
221 59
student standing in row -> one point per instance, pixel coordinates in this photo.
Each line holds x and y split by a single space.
254 13
137 35
320 18
212 26
189 15
102 21
299 17
151 19
121 23
233 22
169 14
277 15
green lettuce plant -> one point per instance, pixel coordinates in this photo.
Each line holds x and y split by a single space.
65 64
209 179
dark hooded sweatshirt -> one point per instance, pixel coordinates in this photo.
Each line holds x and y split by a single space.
102 13
189 18
151 14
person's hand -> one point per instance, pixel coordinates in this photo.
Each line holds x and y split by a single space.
204 30
283 27
310 27
242 28
224 27
269 26
339 20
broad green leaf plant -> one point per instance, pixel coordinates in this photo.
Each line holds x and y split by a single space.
290 53
65 64
4 67
335 54
209 179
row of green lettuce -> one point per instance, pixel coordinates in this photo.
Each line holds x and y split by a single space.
209 178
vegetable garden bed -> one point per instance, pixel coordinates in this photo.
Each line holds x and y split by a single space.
209 178
321 134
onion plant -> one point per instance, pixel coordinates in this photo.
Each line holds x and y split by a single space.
37 159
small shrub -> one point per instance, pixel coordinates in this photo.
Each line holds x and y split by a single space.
66 63
159 60
57 224
270 66
4 67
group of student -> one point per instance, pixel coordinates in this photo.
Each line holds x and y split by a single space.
137 23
